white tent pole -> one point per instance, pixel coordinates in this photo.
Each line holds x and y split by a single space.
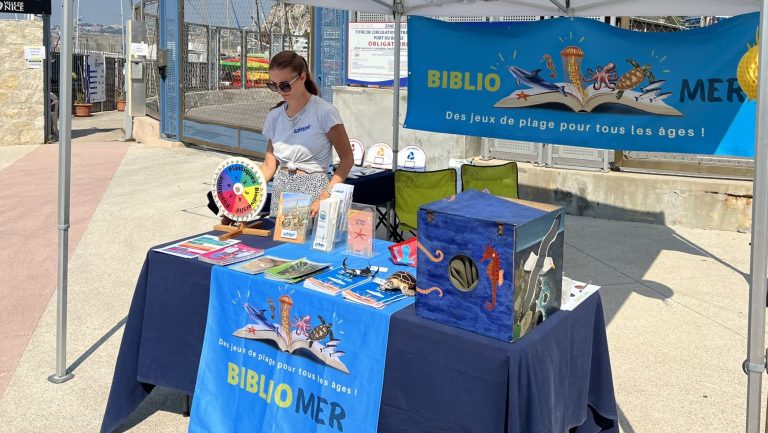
398 14
754 366
65 137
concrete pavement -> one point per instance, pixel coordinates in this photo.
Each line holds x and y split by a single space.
675 298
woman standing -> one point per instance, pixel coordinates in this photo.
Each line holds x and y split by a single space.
302 130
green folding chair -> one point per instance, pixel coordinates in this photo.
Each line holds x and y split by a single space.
413 189
500 180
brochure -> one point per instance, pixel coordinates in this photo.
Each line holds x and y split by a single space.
369 294
292 220
334 281
259 265
360 233
195 247
295 271
233 254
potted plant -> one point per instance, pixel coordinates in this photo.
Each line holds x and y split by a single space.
120 98
82 108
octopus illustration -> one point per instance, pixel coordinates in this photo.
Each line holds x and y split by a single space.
437 257
302 325
602 76
495 274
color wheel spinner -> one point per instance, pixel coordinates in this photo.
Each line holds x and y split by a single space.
239 189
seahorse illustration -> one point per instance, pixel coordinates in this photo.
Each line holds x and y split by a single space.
495 274
286 303
430 290
550 65
437 258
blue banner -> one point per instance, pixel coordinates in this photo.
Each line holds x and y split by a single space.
283 358
580 82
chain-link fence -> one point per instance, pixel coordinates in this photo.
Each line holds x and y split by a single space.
226 57
149 13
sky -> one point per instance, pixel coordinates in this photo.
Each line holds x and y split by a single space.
92 11
108 11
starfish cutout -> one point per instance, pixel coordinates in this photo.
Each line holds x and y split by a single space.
359 234
522 95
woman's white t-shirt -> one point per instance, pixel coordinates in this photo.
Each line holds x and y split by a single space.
300 141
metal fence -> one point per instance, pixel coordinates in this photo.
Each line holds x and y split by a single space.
113 75
149 13
225 54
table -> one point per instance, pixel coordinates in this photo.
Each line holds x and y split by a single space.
437 378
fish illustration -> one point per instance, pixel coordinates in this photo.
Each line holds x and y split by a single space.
532 79
661 96
257 316
271 305
655 85
336 354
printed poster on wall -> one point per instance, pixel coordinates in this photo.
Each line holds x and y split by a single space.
580 82
371 53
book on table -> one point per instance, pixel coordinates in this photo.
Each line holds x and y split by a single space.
259 264
295 271
334 281
232 254
197 246
369 294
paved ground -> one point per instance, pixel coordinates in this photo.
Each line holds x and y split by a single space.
675 298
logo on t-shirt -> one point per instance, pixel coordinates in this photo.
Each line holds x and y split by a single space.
301 129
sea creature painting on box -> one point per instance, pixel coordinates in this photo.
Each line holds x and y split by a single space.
502 267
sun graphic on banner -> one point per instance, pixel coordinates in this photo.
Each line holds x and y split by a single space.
746 72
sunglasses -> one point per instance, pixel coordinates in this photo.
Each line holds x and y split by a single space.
284 86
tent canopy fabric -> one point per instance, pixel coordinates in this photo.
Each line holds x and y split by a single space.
543 7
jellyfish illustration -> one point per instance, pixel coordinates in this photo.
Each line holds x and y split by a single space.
571 57
286 303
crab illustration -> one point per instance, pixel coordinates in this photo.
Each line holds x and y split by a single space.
634 77
320 331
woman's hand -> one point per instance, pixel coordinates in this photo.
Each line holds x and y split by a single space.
316 204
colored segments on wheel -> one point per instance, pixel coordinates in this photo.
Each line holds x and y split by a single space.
239 189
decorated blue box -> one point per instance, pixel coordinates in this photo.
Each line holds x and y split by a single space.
488 264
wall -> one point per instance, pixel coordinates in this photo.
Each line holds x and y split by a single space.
21 89
367 115
716 204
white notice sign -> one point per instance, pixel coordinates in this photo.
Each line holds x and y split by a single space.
33 57
96 78
371 53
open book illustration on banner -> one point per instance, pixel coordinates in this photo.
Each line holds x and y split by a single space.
610 84
307 335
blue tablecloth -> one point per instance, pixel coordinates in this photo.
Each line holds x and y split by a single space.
437 378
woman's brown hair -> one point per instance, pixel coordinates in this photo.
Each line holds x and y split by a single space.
295 63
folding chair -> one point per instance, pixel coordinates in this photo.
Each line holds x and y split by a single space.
414 188
358 151
412 158
379 156
500 180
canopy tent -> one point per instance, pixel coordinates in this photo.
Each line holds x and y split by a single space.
755 364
